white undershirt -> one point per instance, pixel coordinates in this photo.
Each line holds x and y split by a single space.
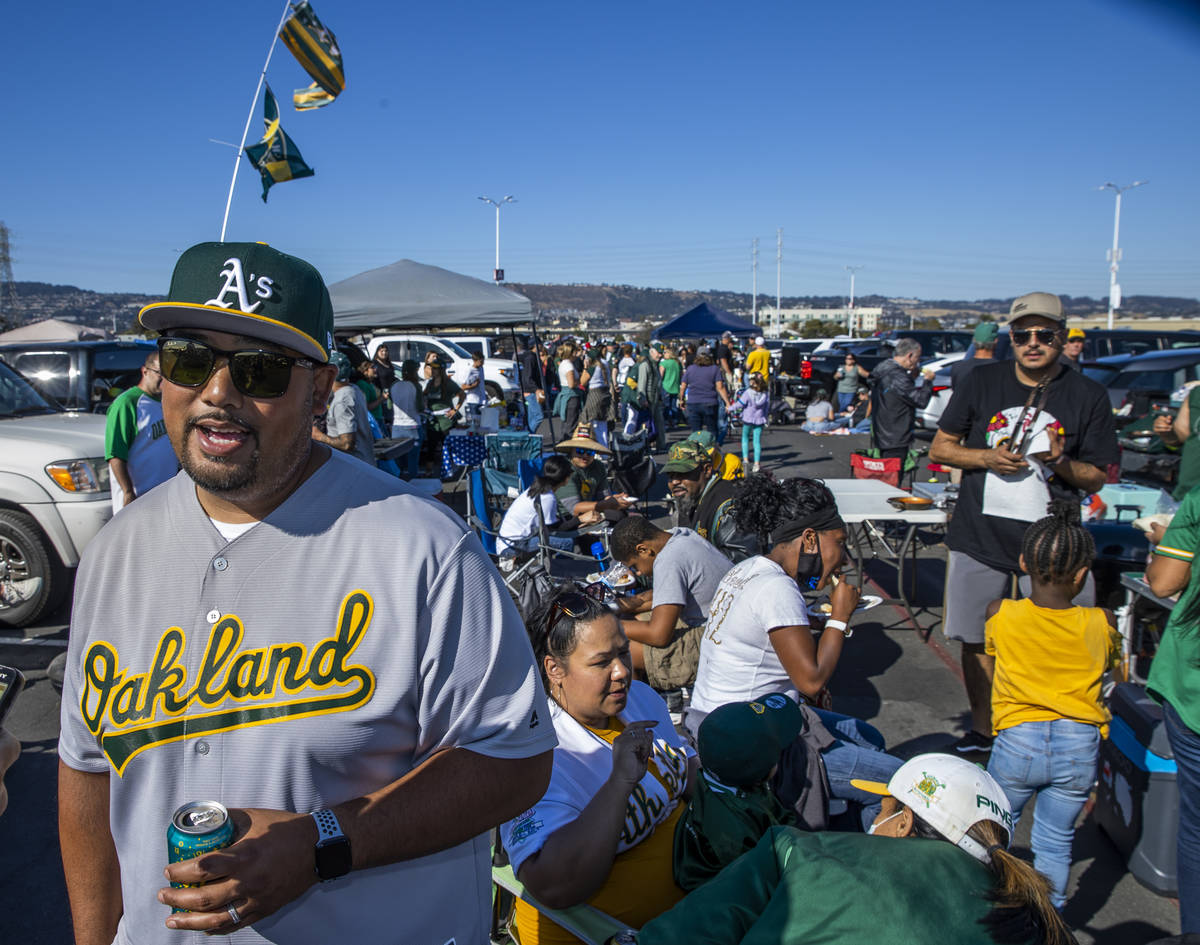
231 530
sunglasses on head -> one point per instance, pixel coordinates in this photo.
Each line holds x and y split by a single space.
574 604
1021 336
255 373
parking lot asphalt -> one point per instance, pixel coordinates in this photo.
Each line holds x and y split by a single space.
909 688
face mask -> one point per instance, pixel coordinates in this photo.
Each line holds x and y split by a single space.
871 829
808 568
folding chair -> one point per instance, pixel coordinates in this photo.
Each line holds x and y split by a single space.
484 519
504 454
585 922
633 469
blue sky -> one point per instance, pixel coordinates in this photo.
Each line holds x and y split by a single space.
952 149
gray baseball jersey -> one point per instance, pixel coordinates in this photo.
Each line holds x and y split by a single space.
294 668
348 414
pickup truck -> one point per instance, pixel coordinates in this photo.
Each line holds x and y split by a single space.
499 374
54 497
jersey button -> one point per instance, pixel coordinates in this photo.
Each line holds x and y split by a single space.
202 747
213 616
220 564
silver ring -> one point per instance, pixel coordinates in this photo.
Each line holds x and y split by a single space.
233 914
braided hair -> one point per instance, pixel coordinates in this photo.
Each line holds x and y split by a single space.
1057 546
764 503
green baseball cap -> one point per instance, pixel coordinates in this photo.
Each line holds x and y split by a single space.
739 743
248 289
685 457
986 333
703 438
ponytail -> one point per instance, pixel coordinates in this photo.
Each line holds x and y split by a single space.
1021 910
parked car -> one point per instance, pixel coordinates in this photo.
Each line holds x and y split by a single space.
79 375
54 497
499 375
1137 384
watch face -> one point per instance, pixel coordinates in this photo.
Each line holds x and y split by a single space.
333 858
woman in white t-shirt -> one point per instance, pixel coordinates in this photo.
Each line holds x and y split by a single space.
569 402
758 638
407 406
519 529
603 833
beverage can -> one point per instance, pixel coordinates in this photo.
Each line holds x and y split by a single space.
197 827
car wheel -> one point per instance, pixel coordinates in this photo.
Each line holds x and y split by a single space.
32 581
493 391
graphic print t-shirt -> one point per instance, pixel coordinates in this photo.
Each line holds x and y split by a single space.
984 411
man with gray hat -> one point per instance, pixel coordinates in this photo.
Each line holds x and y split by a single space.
1023 432
347 422
243 652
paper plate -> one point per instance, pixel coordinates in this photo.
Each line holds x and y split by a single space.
866 602
596 575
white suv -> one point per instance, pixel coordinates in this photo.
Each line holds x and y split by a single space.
54 497
499 375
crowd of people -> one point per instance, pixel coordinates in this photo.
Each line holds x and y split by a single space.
670 756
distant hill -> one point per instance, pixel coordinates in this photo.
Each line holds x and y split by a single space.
598 304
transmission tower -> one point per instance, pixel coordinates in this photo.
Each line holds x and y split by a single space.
8 291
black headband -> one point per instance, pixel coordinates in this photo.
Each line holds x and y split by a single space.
824 519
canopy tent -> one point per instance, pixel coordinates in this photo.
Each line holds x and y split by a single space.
410 294
705 320
54 329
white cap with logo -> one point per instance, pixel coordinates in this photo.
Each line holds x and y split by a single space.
949 794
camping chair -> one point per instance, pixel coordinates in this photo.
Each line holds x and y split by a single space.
504 453
585 922
633 470
484 519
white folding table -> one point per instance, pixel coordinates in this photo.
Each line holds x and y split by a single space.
864 502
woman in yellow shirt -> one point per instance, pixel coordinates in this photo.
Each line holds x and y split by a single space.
603 833
1047 710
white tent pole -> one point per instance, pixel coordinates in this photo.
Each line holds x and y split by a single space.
237 160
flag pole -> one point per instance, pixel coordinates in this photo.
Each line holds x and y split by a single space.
237 161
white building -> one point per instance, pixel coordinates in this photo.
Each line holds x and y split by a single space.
866 319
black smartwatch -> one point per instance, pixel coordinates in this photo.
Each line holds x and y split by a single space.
333 847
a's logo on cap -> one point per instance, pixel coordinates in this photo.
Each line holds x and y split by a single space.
235 281
928 786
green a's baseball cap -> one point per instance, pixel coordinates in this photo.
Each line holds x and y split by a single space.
248 289
739 743
1044 304
685 457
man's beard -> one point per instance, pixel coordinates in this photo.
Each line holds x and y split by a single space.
229 477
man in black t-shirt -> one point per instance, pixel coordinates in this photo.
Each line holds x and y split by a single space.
1023 432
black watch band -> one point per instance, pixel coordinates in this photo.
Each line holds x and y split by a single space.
332 852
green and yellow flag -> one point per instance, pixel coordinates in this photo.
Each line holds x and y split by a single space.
276 156
316 49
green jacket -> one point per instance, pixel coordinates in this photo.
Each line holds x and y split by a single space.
797 888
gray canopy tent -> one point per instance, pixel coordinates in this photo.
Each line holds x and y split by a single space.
412 295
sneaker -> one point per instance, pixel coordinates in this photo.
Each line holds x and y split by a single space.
973 746
755 469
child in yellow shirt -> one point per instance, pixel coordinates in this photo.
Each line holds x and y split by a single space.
1048 713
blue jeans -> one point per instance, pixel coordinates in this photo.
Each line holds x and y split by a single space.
722 422
1185 745
858 752
702 417
863 426
1057 761
844 401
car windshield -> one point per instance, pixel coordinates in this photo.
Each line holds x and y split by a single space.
1101 374
1165 379
459 350
17 396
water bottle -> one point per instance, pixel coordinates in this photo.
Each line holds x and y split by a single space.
600 555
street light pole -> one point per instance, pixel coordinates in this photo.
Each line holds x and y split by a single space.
1114 256
498 273
852 326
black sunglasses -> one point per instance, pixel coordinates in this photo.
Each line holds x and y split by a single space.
1046 336
262 374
